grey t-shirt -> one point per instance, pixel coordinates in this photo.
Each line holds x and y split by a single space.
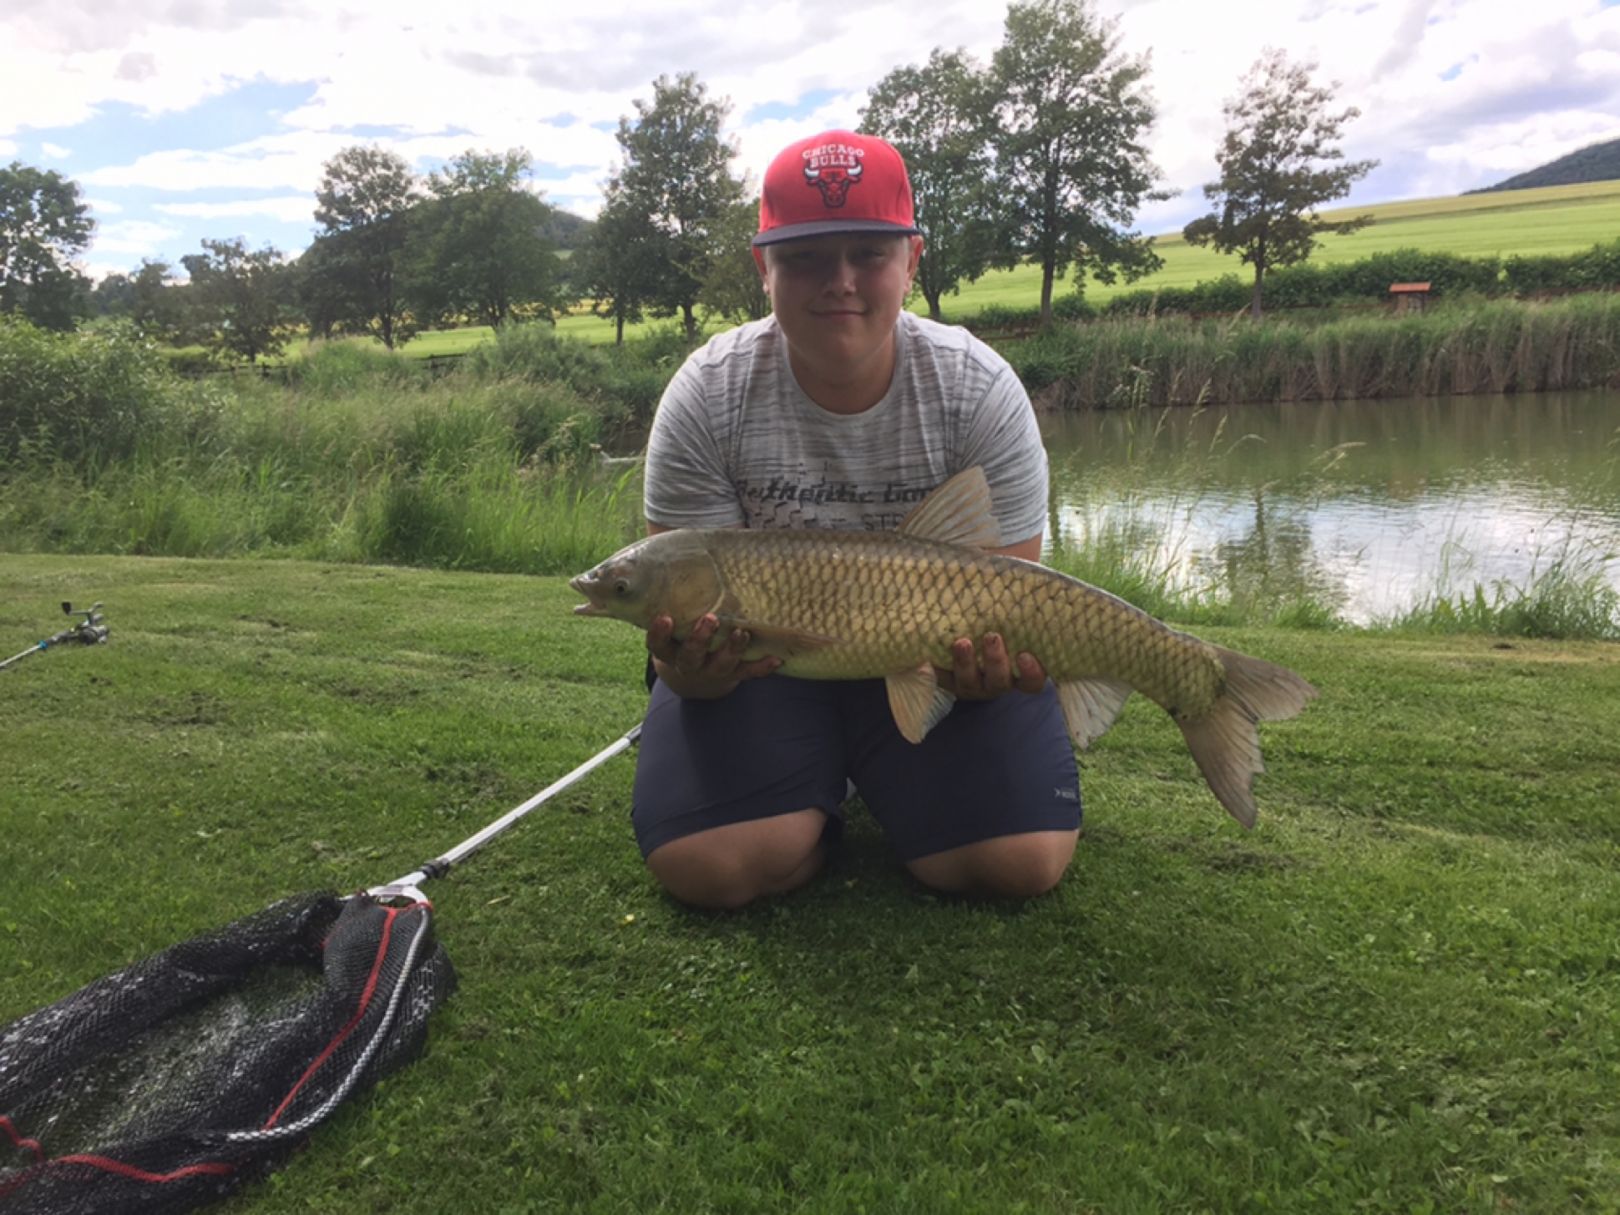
736 441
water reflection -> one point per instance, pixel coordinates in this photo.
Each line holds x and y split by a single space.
1369 505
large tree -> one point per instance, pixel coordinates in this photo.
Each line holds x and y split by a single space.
1071 165
620 266
480 244
242 297
937 115
363 205
43 225
1279 161
677 174
734 291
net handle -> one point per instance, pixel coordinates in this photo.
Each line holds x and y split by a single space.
407 887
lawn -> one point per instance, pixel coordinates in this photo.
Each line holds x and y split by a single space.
1398 993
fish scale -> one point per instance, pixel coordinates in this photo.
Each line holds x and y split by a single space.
893 602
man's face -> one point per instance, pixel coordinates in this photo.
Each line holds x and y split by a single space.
837 297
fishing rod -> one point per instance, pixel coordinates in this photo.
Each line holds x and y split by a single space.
92 630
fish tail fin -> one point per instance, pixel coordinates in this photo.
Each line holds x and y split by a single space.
1226 743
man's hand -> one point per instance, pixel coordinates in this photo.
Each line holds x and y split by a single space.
694 671
991 671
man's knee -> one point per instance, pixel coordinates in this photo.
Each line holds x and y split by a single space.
1007 866
727 867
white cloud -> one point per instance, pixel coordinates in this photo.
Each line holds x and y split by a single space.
136 237
54 151
289 208
104 206
1527 82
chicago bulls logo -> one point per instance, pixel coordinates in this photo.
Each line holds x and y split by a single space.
833 168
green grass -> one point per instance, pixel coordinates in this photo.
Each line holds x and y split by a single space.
1397 994
1554 219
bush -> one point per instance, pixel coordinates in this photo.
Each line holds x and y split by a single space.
79 396
626 381
339 367
1594 269
1073 307
997 317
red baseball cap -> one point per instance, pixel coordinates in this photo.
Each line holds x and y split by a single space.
833 183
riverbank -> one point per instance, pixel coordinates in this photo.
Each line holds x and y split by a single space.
363 457
1501 346
1395 993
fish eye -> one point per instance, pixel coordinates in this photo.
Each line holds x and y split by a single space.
621 586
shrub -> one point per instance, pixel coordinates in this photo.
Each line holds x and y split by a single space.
77 395
626 382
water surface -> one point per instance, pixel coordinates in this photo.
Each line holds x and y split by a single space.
1373 506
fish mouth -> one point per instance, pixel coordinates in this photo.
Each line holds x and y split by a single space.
581 583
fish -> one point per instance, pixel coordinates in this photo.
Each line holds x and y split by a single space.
889 604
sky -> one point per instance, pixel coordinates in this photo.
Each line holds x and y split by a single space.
185 119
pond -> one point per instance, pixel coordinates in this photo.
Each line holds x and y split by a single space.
1370 506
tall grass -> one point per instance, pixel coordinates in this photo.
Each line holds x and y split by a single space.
358 456
1498 347
1565 600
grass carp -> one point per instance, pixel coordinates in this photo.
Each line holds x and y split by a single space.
859 605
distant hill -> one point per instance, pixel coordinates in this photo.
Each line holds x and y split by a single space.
567 229
1595 162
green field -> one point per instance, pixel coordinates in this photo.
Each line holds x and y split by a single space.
1555 219
1397 994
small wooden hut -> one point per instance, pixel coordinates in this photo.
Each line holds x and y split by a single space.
1409 297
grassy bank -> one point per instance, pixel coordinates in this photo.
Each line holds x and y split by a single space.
1499 347
364 457
358 456
1396 994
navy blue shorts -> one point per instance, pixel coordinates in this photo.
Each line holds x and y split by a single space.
779 744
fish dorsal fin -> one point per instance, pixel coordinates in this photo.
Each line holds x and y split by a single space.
958 512
917 702
1090 706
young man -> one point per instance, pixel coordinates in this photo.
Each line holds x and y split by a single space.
841 410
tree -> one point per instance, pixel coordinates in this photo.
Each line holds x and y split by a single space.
733 291
113 296
479 245
677 173
43 225
938 118
1071 167
150 298
362 205
159 304
1279 161
327 290
620 267
242 296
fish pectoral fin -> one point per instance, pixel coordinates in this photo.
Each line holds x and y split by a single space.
917 702
958 512
1090 706
778 639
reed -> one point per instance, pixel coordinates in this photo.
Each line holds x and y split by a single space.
1501 346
